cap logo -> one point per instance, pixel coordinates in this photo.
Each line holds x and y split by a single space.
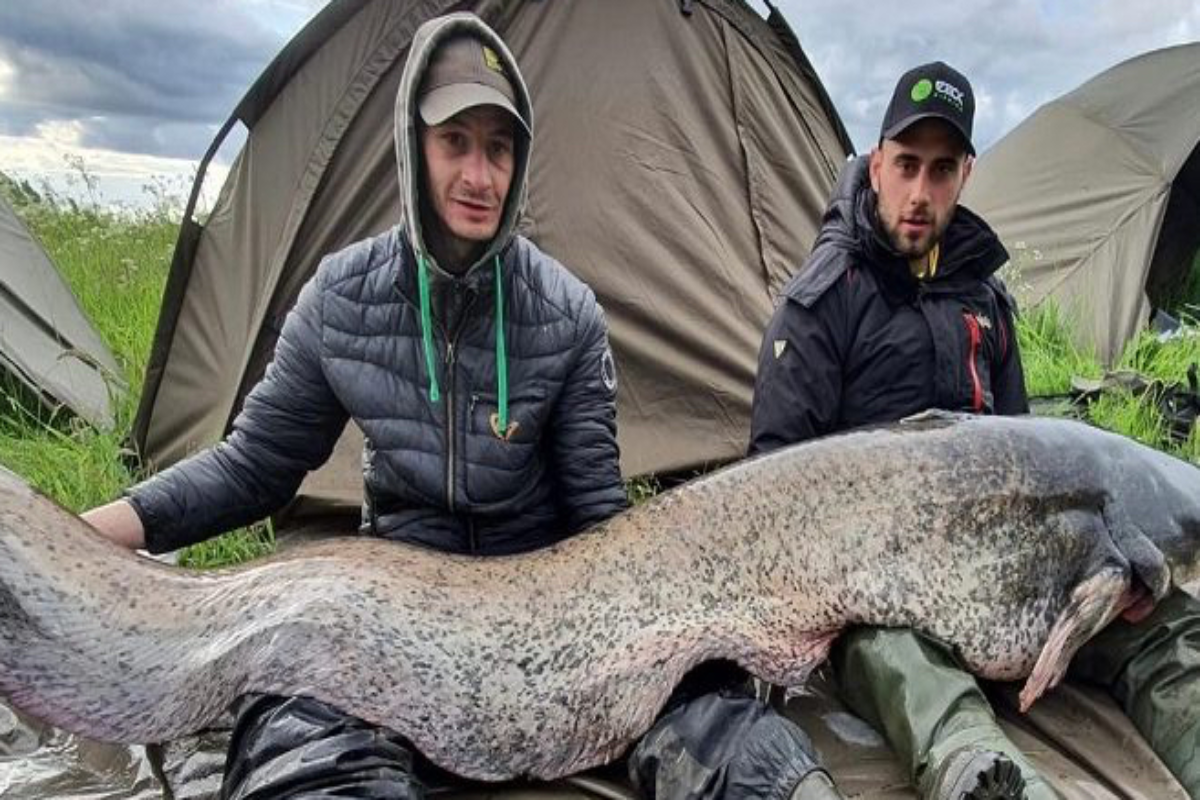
921 89
491 60
950 93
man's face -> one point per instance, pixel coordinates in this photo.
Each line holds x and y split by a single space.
918 177
468 168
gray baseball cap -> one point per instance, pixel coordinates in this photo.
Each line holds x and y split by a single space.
464 73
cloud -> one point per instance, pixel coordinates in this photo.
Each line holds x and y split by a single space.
156 77
1018 54
133 75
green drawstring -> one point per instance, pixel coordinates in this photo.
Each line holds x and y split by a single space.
427 328
435 394
501 357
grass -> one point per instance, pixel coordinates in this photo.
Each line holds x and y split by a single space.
117 263
1049 357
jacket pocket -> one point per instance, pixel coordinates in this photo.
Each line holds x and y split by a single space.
502 463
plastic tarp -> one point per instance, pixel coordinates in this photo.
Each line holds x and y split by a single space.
1076 737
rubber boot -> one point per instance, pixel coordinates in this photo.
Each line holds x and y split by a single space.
934 716
1152 668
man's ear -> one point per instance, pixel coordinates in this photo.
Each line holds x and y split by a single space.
968 163
875 166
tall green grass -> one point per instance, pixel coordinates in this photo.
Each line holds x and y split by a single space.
116 266
1049 356
116 262
1051 359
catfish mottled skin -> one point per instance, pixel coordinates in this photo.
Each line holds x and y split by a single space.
1012 539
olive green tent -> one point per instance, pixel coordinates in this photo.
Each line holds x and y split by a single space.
684 153
1097 195
49 351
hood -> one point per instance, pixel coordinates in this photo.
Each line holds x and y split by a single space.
408 147
970 248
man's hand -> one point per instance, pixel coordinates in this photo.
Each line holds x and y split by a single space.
119 523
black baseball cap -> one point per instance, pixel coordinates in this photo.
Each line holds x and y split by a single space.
931 90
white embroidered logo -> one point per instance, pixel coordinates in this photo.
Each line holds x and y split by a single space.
608 370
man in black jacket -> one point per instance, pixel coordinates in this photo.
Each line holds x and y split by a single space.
477 367
899 310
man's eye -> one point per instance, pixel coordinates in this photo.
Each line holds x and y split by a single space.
500 147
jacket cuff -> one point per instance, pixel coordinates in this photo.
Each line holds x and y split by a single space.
150 529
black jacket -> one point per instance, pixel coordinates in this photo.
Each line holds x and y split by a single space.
856 339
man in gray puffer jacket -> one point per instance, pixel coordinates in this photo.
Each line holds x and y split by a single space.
480 372
477 367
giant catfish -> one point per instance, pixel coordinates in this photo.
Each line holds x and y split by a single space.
1013 539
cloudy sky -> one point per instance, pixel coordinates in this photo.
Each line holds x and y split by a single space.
135 89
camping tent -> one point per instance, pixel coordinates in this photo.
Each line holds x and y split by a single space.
684 153
1097 195
48 349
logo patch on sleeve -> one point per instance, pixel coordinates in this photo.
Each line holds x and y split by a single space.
608 370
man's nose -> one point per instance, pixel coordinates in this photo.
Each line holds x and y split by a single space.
921 188
475 172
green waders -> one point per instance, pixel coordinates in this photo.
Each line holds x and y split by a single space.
1152 668
932 712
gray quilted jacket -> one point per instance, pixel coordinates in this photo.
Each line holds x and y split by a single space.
436 473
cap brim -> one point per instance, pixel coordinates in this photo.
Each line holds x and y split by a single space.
444 102
904 124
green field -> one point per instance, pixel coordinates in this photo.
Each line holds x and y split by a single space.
117 264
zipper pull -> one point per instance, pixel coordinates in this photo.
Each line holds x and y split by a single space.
449 352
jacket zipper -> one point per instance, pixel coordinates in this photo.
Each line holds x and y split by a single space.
975 336
451 409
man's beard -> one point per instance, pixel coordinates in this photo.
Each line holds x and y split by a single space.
914 249
910 249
